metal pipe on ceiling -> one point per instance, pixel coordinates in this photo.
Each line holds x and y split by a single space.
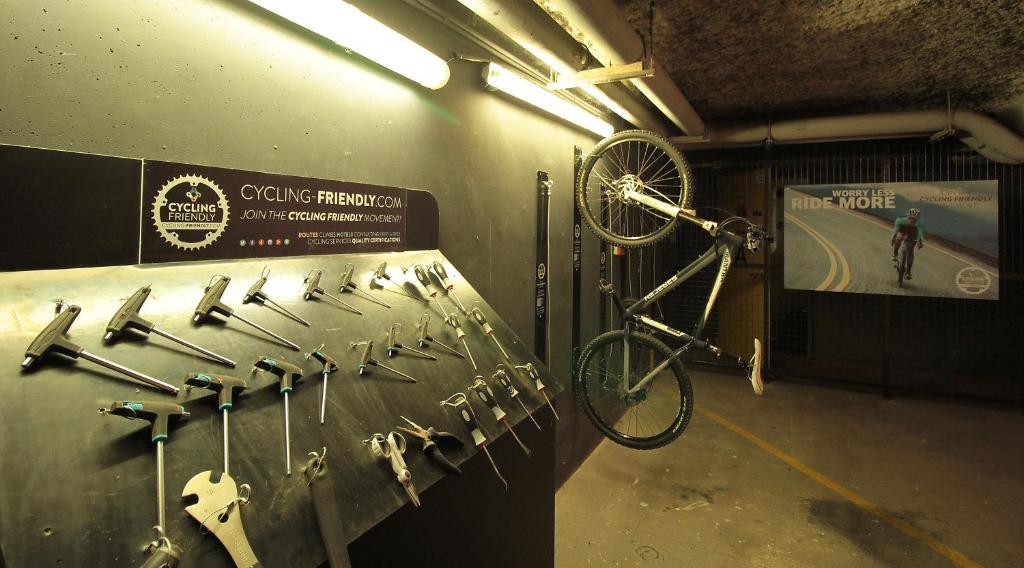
978 131
526 25
602 27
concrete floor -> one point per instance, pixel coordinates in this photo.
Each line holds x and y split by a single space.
947 480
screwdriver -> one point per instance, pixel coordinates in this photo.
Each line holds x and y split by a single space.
394 347
503 379
529 368
330 366
488 330
442 275
381 274
158 413
484 392
211 303
425 339
459 402
256 294
54 339
313 288
347 285
366 360
288 375
424 278
127 317
225 388
453 320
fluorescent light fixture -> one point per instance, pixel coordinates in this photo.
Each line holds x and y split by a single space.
348 27
501 79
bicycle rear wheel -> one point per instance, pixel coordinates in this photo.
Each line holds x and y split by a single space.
637 160
650 418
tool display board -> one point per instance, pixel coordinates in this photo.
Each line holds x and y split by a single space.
80 487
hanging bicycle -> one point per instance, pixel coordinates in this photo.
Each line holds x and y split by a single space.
632 189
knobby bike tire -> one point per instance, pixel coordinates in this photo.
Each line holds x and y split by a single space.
683 416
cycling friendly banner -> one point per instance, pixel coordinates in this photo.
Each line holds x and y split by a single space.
938 239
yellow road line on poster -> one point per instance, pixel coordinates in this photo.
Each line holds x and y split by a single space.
951 554
828 250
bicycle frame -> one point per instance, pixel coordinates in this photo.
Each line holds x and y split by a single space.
724 249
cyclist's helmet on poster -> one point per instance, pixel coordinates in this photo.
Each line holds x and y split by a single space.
913 214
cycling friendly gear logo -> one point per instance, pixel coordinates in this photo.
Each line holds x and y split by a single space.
190 212
973 280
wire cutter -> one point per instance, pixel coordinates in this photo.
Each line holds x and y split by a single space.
431 439
391 448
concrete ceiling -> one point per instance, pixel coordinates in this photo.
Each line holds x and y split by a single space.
741 59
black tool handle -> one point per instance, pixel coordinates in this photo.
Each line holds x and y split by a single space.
127 316
287 373
54 337
223 385
346 277
255 291
161 558
211 300
157 412
313 284
364 359
442 274
382 272
484 392
328 516
434 452
466 414
422 276
393 345
504 381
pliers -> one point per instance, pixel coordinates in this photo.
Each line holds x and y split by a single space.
431 438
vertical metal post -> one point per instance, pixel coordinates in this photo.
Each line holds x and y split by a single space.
577 262
540 333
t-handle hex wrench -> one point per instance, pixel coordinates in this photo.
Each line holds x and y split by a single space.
535 376
442 275
425 339
478 315
459 402
225 388
501 375
158 413
348 285
424 278
366 360
381 276
486 395
256 294
453 320
211 303
330 366
288 375
127 317
313 289
54 339
394 347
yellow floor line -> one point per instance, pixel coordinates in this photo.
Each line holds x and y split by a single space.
953 555
831 257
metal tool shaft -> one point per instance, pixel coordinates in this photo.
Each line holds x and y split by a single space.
551 406
194 347
516 436
286 311
368 296
268 332
420 353
494 465
323 397
451 292
450 349
224 413
470 353
343 302
160 489
157 383
397 372
528 415
287 437
500 348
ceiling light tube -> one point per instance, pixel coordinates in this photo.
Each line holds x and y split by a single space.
508 82
350 28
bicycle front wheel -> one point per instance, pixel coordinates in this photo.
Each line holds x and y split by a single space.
651 416
634 160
